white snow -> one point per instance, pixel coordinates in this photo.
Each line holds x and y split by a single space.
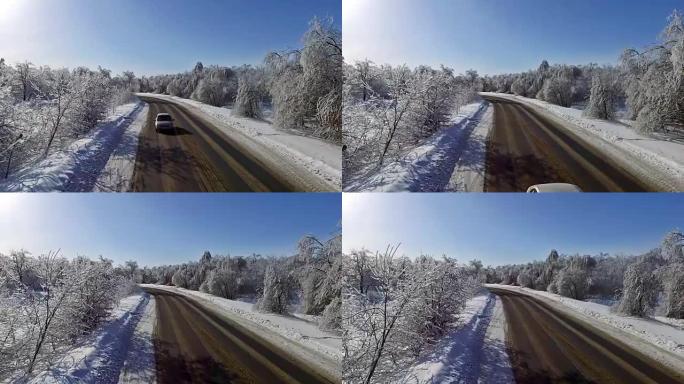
451 159
101 357
319 158
475 352
657 158
666 335
469 173
139 366
79 165
117 174
297 335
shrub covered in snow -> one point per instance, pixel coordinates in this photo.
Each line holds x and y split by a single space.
48 302
390 109
42 109
393 307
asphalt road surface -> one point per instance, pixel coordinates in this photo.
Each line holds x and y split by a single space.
198 157
196 345
526 148
548 346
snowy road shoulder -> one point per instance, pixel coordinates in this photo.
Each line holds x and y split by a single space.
659 161
473 353
103 356
451 159
117 174
659 338
298 336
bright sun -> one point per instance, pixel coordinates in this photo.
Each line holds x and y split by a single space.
9 9
9 201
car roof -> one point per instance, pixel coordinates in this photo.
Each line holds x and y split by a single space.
163 114
555 187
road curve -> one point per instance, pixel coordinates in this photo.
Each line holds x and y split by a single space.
197 157
193 344
548 346
526 148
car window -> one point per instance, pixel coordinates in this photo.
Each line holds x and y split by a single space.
163 118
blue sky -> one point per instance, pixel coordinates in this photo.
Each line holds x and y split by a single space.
496 36
509 228
154 36
167 227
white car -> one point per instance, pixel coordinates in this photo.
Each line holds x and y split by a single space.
553 187
163 121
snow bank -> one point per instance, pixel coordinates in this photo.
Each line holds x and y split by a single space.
666 334
430 166
470 354
101 357
297 335
658 159
78 166
318 157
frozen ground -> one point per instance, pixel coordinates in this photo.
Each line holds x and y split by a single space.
473 353
452 159
318 157
298 335
661 338
83 164
120 348
656 158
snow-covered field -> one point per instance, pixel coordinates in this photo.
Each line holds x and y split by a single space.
84 165
452 159
658 159
664 336
297 335
473 353
318 157
120 350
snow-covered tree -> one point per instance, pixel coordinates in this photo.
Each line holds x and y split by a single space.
604 97
641 287
278 290
571 282
247 102
221 282
654 79
407 305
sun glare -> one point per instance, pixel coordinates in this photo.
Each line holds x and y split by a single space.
9 9
9 201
